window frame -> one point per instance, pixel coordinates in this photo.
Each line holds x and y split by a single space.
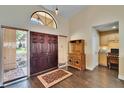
49 15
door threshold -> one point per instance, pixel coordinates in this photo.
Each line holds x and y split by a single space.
50 69
14 81
1 85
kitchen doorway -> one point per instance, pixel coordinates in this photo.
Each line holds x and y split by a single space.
108 50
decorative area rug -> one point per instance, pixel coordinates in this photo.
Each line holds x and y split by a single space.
51 78
13 74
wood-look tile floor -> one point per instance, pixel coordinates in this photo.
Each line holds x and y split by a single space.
100 77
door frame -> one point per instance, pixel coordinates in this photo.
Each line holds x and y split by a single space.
94 30
2 28
1 58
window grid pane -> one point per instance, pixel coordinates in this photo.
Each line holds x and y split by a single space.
43 18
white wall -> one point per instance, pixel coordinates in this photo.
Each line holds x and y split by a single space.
95 47
63 50
19 16
93 16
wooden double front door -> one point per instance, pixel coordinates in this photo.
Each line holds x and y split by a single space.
43 52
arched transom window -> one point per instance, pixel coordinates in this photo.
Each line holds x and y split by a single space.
43 18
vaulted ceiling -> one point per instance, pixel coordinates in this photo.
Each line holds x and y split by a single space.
66 11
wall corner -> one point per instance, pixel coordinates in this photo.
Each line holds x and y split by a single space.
121 76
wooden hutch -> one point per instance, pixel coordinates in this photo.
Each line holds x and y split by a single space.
77 54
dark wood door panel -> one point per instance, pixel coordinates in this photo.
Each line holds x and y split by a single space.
44 52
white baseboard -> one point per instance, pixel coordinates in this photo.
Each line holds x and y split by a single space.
63 66
121 76
89 68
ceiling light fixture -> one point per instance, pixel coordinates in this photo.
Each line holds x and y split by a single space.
114 27
56 10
